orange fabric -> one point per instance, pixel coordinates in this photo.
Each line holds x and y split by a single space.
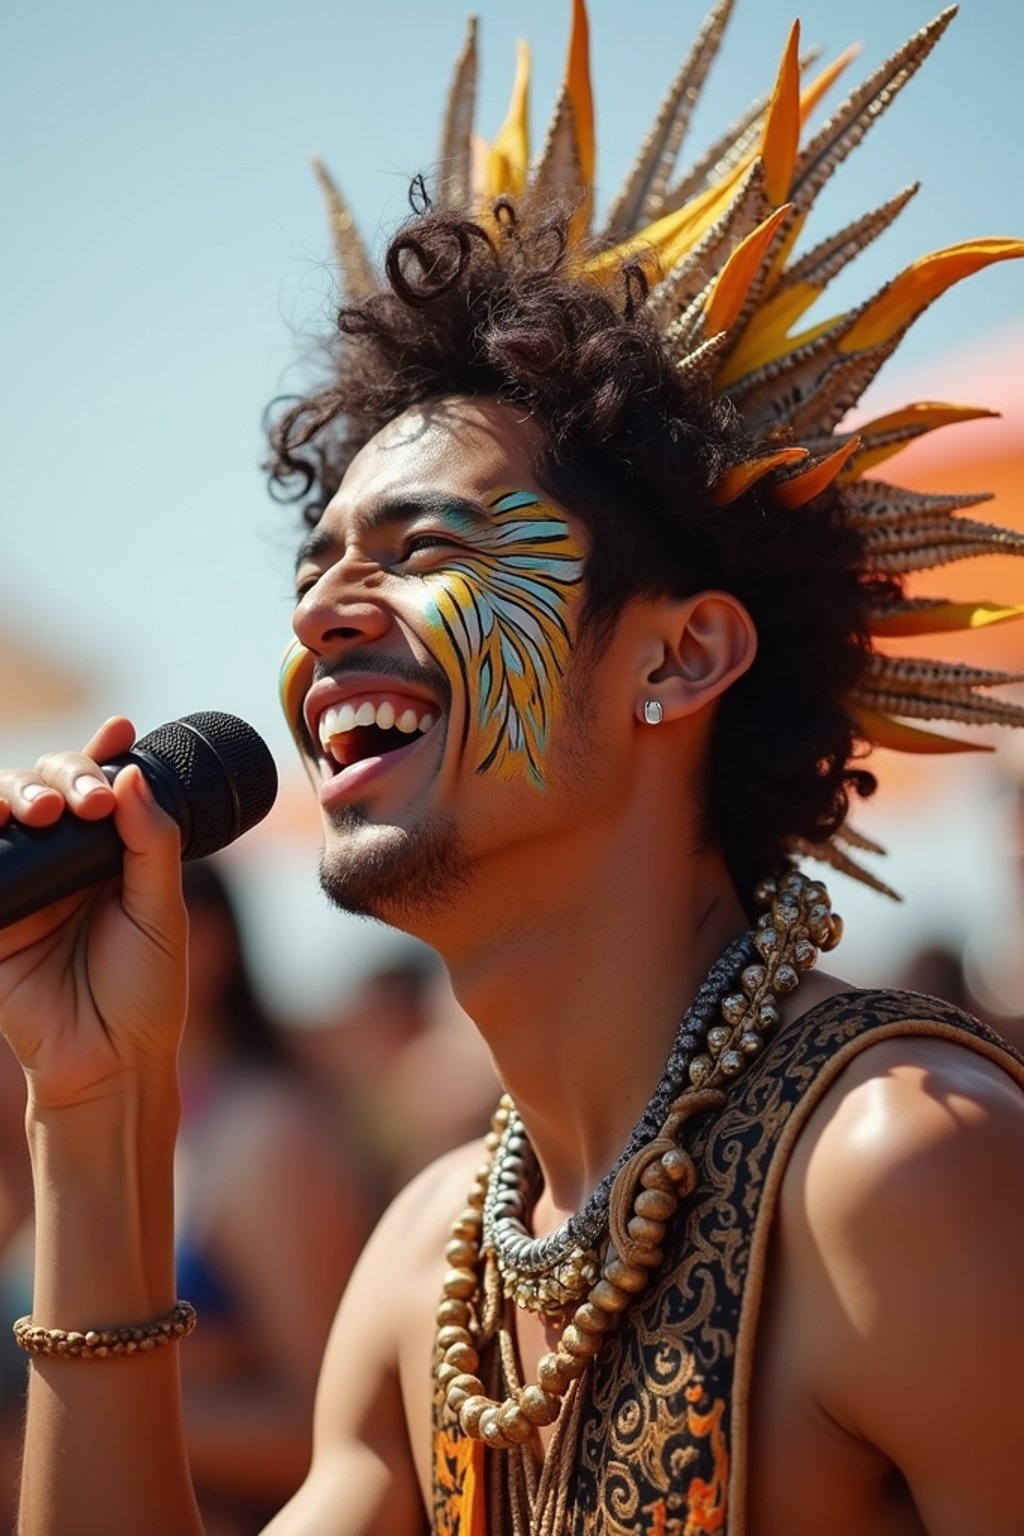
459 1475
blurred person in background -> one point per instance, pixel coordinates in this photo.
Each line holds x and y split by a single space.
937 970
270 1218
270 1213
15 1270
980 968
994 954
409 1077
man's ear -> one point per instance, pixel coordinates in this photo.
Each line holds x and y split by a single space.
701 645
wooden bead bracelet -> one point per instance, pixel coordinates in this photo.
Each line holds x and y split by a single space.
98 1343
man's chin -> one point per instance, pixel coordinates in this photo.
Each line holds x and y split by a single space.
398 875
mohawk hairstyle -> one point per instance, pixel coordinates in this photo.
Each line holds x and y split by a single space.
637 451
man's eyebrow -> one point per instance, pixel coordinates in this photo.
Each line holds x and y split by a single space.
318 541
392 510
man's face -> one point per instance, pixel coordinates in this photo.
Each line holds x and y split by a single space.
439 605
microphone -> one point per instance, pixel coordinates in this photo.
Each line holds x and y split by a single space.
211 772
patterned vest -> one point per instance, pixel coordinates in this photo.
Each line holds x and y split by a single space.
663 1439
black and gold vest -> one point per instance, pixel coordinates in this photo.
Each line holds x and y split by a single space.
663 1438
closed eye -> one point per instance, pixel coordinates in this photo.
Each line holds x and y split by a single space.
427 543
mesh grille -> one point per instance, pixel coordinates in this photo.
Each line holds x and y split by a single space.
226 773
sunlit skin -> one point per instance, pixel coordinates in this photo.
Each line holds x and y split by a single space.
509 756
578 921
545 873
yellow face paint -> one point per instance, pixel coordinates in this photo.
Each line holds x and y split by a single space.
501 617
500 614
293 684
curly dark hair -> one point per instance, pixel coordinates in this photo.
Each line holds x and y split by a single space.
634 451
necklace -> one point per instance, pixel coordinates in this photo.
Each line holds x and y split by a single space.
645 1190
546 1273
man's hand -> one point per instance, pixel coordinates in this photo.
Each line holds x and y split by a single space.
92 989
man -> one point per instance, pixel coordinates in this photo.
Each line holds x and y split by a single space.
583 654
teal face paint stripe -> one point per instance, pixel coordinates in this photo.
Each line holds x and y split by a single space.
505 598
512 500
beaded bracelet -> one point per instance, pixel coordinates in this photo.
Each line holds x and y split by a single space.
97 1343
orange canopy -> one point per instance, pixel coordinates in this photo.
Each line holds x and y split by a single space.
975 456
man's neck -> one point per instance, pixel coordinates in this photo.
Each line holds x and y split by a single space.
577 975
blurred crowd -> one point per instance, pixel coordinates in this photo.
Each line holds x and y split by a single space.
294 1137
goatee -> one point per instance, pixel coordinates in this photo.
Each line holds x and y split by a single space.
390 873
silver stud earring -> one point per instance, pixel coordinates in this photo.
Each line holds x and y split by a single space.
652 712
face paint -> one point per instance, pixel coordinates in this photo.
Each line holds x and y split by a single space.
500 617
294 681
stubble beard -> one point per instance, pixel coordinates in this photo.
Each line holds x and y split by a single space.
395 875
403 876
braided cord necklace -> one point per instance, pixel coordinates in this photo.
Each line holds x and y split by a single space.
545 1273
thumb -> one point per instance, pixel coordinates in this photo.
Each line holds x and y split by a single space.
151 879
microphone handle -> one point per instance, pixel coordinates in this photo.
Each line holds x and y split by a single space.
41 865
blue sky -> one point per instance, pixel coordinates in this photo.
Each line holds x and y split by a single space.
164 268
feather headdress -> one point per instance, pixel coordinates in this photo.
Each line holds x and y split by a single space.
728 294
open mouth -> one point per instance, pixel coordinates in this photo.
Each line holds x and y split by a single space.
369 728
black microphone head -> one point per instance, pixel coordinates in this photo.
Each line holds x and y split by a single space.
223 771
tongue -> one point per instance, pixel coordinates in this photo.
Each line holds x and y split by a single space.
369 741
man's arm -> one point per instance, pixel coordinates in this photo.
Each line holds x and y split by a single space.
907 1205
371 1438
104 1441
92 1000
92 997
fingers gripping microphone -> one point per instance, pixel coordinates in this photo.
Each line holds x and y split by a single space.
211 772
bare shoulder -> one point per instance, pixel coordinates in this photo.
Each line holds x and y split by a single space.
415 1225
371 1455
906 1116
901 1241
403 1262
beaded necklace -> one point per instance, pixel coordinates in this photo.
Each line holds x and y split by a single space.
654 1174
546 1273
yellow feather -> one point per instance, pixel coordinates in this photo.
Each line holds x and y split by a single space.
924 416
510 152
823 83
577 83
799 489
781 136
733 282
765 338
884 731
902 300
669 238
294 680
703 213
942 618
742 476
895 307
480 173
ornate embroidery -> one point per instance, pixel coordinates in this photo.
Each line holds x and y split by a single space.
662 1442
458 1484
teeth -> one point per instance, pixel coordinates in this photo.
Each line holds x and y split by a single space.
341 718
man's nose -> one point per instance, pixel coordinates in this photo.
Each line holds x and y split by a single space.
341 610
